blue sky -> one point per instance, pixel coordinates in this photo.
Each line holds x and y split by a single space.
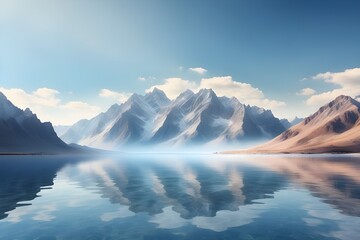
59 56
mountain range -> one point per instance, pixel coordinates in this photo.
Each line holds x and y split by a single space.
191 118
22 132
335 127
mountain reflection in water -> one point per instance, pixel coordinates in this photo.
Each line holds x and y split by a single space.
181 196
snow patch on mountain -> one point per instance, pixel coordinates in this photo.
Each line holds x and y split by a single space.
191 118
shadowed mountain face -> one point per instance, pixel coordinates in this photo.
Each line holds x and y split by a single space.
335 127
190 118
22 132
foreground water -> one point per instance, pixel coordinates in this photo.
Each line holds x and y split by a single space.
180 197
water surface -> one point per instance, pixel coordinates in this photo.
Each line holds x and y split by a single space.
180 197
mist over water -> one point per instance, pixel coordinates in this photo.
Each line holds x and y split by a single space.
180 196
192 148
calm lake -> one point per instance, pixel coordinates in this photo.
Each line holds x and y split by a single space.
160 196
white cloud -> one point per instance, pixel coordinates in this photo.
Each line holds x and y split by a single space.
42 96
78 105
223 86
119 96
347 82
226 86
48 106
174 86
143 79
347 78
306 92
198 70
325 97
46 93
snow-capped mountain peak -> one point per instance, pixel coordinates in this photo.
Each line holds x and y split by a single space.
157 99
200 117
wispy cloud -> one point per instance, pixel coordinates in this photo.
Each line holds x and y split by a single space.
306 92
198 70
143 79
223 86
174 86
117 96
346 83
48 105
245 92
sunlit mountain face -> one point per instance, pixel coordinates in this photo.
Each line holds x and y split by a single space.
180 197
200 118
334 128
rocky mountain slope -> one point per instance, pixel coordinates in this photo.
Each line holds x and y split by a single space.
191 118
335 127
22 132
